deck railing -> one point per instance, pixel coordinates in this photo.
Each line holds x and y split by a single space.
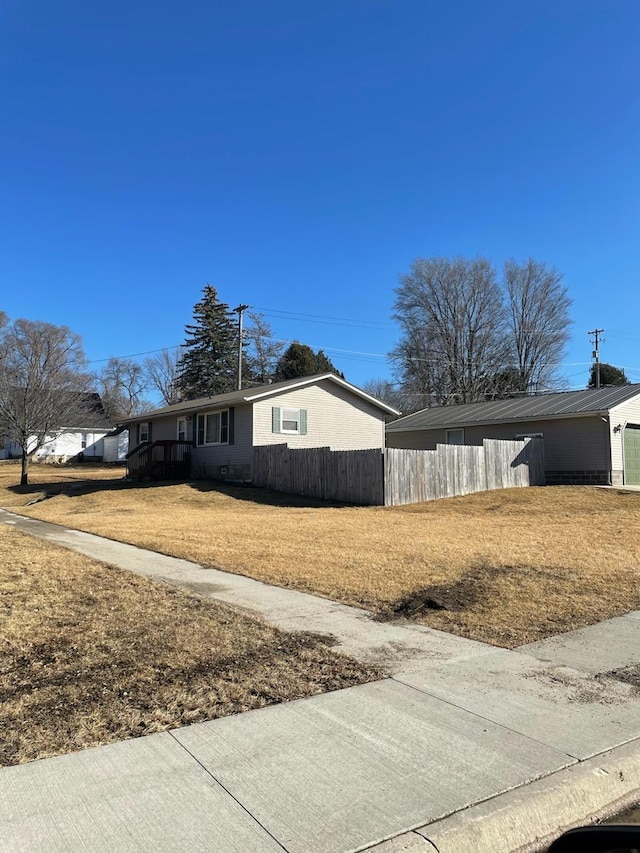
160 460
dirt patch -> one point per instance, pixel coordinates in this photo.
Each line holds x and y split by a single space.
629 674
463 594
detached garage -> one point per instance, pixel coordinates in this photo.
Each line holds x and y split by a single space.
590 437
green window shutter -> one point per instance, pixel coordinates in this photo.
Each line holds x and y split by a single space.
232 423
303 421
275 419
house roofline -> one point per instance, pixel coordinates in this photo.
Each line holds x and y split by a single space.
245 396
309 380
493 421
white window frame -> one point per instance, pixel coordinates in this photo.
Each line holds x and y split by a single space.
221 430
184 431
143 427
522 435
457 429
283 417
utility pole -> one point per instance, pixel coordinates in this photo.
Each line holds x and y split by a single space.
596 341
240 311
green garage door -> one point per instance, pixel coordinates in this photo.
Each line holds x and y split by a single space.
632 456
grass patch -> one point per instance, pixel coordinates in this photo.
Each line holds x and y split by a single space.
91 654
510 566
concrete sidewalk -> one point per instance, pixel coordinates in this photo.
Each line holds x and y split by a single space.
466 747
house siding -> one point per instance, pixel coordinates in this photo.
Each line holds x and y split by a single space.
336 418
625 413
576 450
207 462
162 429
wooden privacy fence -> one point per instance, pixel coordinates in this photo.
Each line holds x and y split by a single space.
397 476
412 476
352 476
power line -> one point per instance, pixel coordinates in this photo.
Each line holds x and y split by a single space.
319 318
133 354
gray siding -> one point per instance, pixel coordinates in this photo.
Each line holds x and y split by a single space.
336 418
162 429
625 413
570 444
207 461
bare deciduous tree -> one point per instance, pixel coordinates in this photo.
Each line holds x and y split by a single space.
538 321
390 393
43 384
122 384
162 374
262 350
453 329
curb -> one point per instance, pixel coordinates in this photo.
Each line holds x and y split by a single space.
529 818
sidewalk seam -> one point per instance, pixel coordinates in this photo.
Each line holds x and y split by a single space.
574 758
226 790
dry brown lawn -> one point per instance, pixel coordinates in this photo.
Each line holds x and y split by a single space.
91 654
506 567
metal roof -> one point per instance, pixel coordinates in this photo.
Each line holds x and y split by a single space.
249 395
563 404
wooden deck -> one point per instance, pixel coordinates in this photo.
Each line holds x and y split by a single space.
160 460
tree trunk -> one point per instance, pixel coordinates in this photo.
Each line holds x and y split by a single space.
24 477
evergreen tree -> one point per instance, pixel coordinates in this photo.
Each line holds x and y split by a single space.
609 375
208 364
300 360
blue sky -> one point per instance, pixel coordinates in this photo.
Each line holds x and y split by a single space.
299 156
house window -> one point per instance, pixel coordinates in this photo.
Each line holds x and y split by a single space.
143 434
83 441
291 420
455 436
182 429
213 428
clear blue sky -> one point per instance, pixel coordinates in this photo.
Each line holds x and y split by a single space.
300 155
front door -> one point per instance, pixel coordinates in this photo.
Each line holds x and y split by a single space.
632 456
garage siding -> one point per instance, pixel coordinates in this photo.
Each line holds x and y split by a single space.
625 413
575 449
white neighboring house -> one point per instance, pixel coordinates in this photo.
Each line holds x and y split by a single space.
79 442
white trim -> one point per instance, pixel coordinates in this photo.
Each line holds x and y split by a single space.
186 428
140 425
284 431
